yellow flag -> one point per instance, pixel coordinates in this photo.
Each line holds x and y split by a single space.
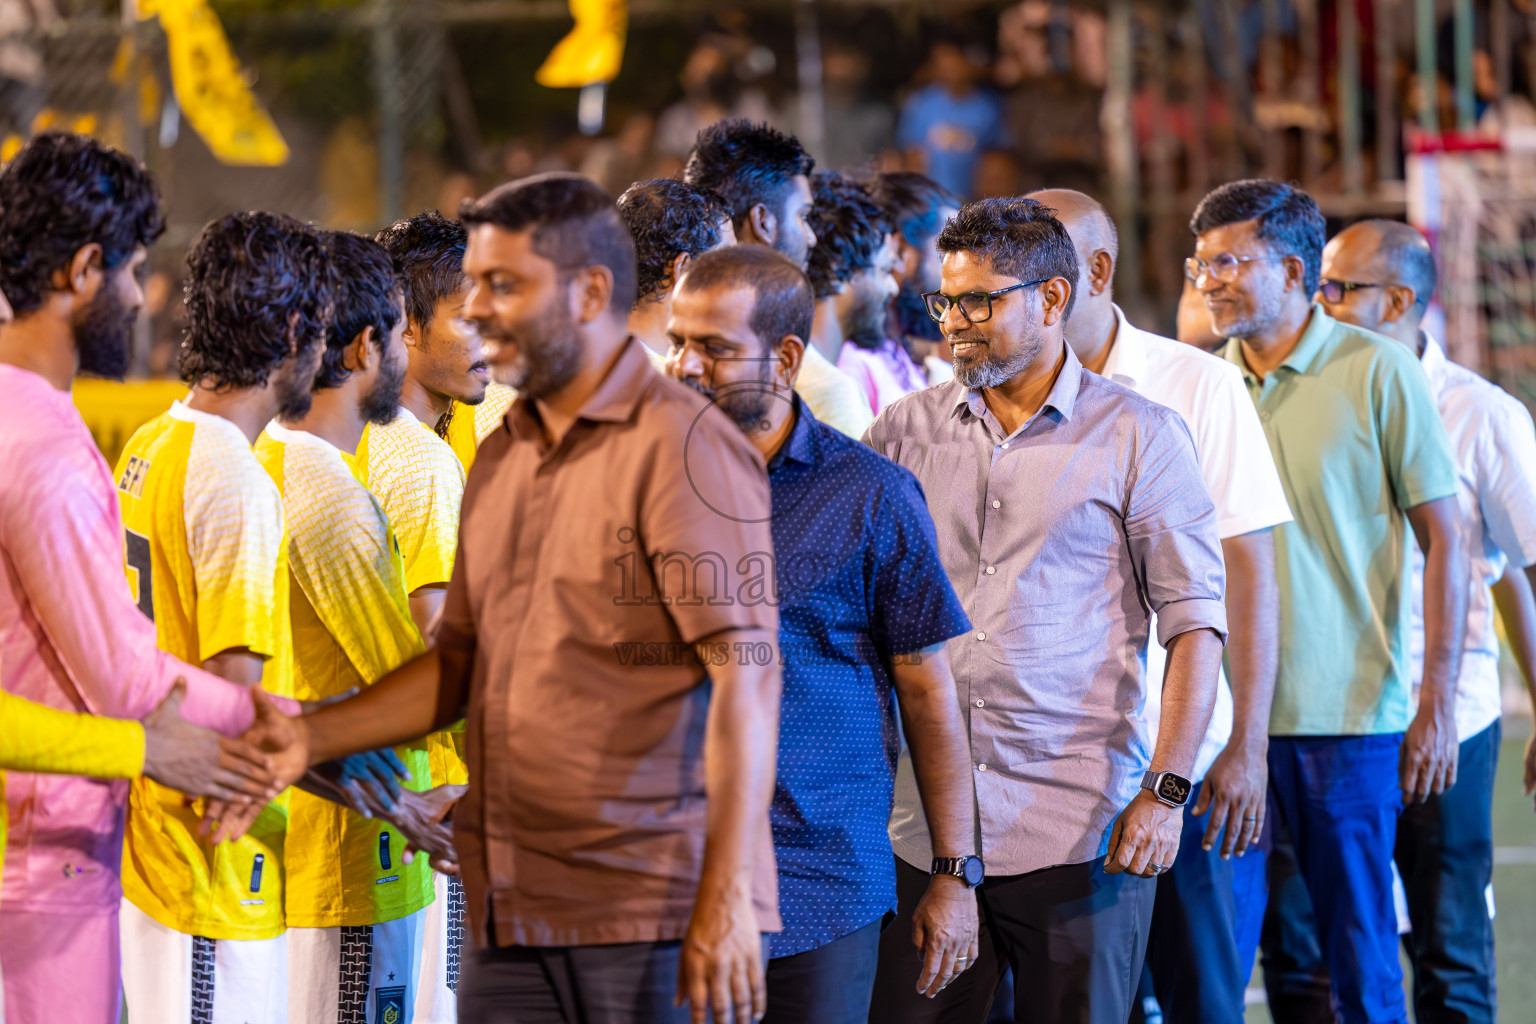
593 50
219 105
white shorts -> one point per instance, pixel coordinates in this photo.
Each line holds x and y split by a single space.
436 1002
355 975
170 977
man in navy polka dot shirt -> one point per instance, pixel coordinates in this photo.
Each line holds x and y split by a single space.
864 608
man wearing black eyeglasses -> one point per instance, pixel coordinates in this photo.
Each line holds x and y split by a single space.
1362 455
1380 275
1198 958
1068 508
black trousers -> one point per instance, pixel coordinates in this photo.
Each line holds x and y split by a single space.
1074 937
632 983
830 984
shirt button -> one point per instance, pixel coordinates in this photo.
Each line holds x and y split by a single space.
1264 415
996 503
981 767
991 569
1005 444
981 636
981 703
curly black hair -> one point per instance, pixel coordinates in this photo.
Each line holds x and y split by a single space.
573 222
747 164
667 218
1289 220
428 250
368 294
63 192
1019 237
259 286
850 231
913 202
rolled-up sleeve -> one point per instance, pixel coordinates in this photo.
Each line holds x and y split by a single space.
1170 525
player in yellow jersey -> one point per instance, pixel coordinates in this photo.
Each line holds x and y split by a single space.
447 386
416 476
203 924
354 907
465 431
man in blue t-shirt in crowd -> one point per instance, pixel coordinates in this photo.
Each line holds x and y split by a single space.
946 125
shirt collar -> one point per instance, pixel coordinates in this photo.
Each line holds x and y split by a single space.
616 396
180 410
1127 363
286 435
800 445
1314 339
1062 397
615 399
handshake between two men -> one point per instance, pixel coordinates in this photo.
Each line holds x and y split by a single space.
368 782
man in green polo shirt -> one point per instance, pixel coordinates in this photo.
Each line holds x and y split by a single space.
1362 455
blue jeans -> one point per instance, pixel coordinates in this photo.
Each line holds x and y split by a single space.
1338 799
1445 855
1198 972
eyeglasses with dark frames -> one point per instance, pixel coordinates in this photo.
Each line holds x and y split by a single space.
971 303
1333 290
1223 268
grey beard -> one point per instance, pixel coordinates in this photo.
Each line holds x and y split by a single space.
988 372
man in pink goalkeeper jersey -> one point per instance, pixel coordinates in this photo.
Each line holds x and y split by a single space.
75 219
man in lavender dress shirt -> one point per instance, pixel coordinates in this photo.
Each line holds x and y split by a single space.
1068 510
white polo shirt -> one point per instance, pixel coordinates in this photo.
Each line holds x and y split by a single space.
1235 462
1495 445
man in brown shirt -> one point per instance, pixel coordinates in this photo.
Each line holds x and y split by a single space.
614 533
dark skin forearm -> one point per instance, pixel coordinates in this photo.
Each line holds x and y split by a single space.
1253 620
425 694
941 756
944 923
741 743
721 966
1513 596
1237 784
1445 601
1189 695
1430 748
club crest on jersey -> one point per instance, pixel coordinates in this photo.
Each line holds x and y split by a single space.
134 475
389 1005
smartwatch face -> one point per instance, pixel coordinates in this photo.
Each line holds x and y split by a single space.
974 871
1173 789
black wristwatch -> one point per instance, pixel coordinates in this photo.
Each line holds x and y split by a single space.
1169 788
968 869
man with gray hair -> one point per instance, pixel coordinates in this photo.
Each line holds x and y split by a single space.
1068 509
1199 962
1363 457
1380 275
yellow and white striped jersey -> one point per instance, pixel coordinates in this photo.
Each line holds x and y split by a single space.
206 559
351 625
420 483
470 424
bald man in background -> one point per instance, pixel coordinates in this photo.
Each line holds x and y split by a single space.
1380 275
1206 914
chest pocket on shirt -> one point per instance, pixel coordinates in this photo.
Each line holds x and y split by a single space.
136 555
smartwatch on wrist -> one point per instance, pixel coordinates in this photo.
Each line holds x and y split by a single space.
1169 788
968 869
